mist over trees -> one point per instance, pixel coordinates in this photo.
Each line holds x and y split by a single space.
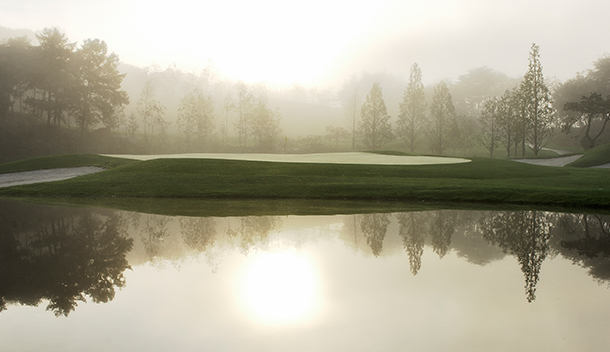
59 96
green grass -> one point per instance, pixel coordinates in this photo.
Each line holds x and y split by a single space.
482 181
596 156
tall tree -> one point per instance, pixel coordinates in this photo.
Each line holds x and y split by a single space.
350 101
265 126
375 126
490 123
245 110
96 93
196 118
15 54
507 119
53 77
538 104
442 118
151 112
412 109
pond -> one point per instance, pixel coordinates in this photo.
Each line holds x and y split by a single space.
88 279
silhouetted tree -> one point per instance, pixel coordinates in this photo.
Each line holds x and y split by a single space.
375 127
53 77
15 73
96 95
591 108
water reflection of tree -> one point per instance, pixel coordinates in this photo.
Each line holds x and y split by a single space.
587 242
198 233
64 260
254 230
374 228
442 227
524 234
412 230
153 233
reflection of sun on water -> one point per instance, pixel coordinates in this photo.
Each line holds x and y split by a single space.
280 287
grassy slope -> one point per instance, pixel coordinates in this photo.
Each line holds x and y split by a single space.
482 180
596 156
60 161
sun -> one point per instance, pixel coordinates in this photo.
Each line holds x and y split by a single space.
280 288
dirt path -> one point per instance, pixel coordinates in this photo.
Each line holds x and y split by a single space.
38 176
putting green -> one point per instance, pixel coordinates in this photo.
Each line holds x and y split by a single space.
320 158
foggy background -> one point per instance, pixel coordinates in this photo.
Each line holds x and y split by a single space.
306 59
321 43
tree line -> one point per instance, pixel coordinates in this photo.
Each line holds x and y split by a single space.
60 82
78 87
522 118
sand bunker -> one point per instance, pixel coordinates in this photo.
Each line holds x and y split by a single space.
38 176
321 158
560 161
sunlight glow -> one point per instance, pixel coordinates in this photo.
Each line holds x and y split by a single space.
280 288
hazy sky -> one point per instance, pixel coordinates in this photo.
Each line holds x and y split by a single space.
319 42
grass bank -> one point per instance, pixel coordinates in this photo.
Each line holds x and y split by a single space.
482 181
595 156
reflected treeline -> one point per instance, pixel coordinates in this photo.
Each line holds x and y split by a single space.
374 228
253 230
67 255
586 241
529 236
60 255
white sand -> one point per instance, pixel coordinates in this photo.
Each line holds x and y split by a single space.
27 177
321 158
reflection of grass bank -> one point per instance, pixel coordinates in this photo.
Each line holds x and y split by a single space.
483 180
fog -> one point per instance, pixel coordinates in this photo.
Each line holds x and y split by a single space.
321 42
305 62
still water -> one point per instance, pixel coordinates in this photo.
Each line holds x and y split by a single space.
84 279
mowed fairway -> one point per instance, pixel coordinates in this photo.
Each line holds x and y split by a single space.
481 180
